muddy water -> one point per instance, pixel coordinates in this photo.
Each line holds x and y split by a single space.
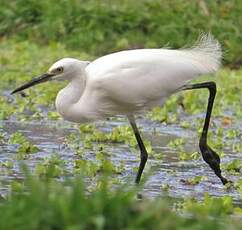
49 136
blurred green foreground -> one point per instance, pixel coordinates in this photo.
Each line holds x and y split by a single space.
34 34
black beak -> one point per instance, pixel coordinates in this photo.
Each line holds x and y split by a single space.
37 80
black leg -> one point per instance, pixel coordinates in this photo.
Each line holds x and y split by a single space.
209 156
143 152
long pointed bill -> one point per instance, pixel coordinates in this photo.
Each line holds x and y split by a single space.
37 80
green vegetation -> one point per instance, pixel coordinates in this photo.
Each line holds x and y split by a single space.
99 27
25 147
41 204
86 191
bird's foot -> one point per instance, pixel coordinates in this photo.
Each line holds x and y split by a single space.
213 160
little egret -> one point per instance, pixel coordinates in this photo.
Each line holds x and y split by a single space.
132 81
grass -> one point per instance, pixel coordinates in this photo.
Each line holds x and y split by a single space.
33 35
99 27
49 204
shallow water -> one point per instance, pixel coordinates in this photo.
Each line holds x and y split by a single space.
49 137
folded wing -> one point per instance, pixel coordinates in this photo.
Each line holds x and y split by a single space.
142 77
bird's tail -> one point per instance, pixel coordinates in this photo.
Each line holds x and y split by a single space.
206 53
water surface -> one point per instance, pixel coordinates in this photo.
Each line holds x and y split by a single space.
169 170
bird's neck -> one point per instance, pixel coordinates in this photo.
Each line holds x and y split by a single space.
69 96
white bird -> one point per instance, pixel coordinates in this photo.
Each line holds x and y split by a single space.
129 82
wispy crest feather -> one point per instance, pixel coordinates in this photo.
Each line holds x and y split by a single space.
207 51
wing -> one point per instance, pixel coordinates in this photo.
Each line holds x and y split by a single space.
140 77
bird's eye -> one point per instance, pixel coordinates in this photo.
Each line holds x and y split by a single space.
60 69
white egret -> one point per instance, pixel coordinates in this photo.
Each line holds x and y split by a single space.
132 81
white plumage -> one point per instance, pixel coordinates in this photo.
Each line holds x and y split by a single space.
130 81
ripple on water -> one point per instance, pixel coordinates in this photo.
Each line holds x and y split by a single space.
170 170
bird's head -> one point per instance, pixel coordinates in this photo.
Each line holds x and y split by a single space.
64 69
